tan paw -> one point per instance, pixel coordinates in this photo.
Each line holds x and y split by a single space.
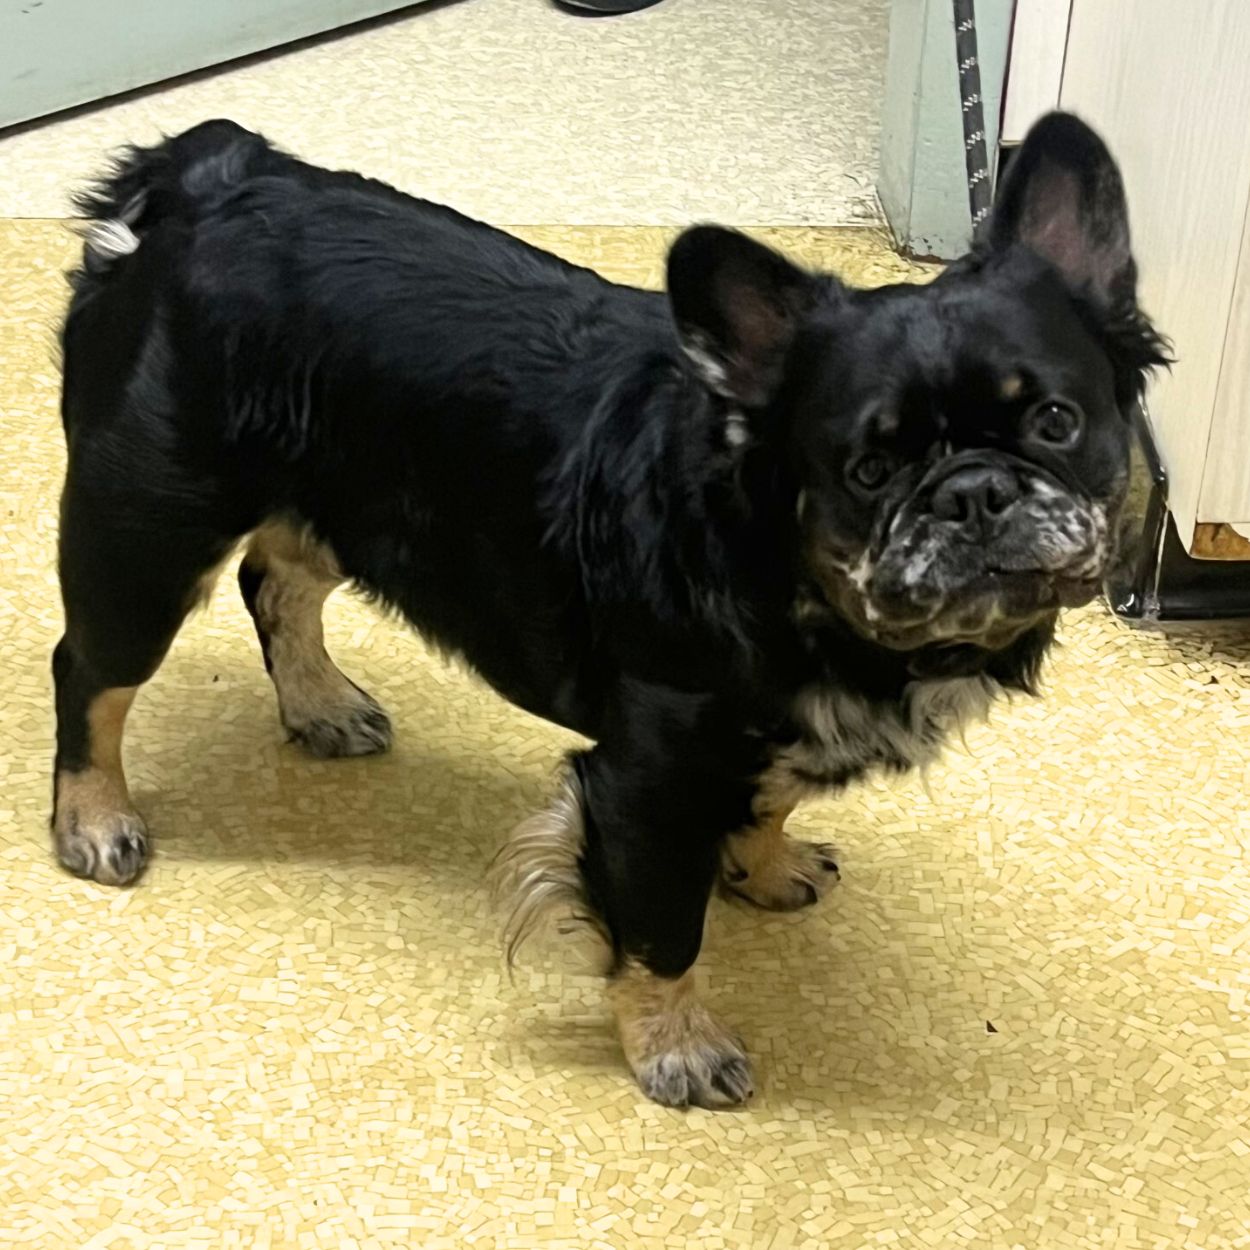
351 724
778 873
680 1053
97 834
709 1074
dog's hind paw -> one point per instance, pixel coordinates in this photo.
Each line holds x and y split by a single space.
356 726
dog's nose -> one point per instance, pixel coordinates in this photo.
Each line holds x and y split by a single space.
979 492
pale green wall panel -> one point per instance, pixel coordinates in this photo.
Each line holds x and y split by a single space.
58 53
923 183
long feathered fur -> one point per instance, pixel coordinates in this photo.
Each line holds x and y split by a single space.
537 882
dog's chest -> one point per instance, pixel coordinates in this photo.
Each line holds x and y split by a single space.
843 735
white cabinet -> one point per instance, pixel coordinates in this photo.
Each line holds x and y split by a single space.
1167 85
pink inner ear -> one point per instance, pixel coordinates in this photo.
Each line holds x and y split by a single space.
1052 223
1056 226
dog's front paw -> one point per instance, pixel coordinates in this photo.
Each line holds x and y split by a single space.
355 725
681 1054
707 1074
779 874
108 846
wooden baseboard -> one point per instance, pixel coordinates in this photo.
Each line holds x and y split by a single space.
1216 541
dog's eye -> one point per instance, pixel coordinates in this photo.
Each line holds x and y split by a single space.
1052 423
872 470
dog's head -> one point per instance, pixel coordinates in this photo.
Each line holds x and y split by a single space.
959 450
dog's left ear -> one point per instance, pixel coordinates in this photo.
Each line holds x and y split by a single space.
1063 197
737 305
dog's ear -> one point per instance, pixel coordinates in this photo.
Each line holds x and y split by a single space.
737 305
1063 197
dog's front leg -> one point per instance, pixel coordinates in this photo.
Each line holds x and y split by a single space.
632 845
681 1054
659 796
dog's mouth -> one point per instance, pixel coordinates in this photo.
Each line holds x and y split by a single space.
934 582
982 614
989 611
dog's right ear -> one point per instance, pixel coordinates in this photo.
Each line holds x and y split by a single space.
737 305
1063 197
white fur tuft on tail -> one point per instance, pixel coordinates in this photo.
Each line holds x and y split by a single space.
107 241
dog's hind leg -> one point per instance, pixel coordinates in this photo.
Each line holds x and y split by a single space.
285 577
131 570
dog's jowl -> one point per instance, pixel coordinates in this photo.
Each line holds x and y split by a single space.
754 537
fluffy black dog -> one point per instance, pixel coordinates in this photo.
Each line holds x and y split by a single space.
752 539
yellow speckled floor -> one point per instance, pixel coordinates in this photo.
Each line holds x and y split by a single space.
1023 1020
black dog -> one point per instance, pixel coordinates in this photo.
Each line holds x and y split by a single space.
753 539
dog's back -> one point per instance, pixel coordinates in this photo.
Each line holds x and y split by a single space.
314 343
271 259
255 340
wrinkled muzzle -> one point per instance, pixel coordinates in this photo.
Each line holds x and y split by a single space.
980 550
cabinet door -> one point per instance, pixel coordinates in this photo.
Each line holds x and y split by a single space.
1039 39
58 53
1223 529
1165 84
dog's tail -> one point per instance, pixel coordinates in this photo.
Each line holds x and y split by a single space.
180 177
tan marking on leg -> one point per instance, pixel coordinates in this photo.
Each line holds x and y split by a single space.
767 867
321 708
680 1053
97 831
283 540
